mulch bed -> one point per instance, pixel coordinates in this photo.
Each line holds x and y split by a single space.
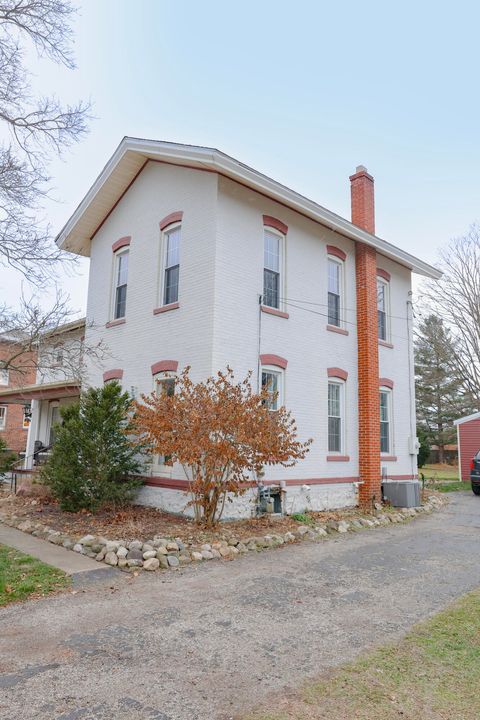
137 521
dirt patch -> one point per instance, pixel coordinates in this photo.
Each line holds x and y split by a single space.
138 522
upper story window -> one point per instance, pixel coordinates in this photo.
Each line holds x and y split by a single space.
385 421
272 381
4 376
3 417
383 288
335 291
120 285
171 264
335 416
273 246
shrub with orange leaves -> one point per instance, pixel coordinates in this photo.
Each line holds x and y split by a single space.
221 432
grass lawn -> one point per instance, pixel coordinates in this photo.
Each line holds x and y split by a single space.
443 478
22 577
432 674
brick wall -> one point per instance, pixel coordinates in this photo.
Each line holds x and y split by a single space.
368 375
14 434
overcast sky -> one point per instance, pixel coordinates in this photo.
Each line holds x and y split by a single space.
302 91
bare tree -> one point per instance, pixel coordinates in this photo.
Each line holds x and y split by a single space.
456 299
47 343
38 128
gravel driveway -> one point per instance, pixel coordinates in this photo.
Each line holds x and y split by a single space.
207 642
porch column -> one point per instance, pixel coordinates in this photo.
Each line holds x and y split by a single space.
32 433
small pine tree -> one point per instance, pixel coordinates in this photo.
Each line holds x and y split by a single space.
424 449
440 391
93 462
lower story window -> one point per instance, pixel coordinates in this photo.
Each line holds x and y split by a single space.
272 383
335 417
3 416
164 386
385 421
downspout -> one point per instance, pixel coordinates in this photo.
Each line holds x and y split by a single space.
413 444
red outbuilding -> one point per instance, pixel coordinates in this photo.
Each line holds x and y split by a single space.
468 434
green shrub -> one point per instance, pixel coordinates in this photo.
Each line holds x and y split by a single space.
303 518
7 458
93 461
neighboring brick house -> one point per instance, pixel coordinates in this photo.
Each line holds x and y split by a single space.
468 443
15 419
197 259
50 382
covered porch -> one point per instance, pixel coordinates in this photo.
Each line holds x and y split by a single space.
42 405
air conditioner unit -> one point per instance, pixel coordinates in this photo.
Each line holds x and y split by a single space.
402 493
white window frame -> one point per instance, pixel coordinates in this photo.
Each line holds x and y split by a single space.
116 261
389 394
158 463
3 418
163 263
4 376
281 268
280 373
342 386
341 279
386 294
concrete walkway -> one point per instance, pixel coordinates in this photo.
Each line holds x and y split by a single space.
208 642
70 562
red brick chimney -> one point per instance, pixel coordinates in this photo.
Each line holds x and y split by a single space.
363 215
363 200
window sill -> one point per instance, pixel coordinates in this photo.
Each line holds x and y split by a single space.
112 323
384 343
338 458
274 311
166 308
339 330
388 458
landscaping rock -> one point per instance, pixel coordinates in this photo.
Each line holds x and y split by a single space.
147 547
162 550
122 552
173 560
151 564
215 553
197 556
133 563
122 562
172 546
101 554
184 559
162 559
343 526
159 542
135 554
225 551
207 554
135 545
208 547
25 526
78 548
111 546
149 555
111 559
87 540
289 537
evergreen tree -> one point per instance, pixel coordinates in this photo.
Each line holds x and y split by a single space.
440 391
93 461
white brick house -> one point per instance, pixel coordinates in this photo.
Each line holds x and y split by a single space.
196 259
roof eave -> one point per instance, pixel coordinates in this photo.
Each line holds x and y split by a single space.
212 159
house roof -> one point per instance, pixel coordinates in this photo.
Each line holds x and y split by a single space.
45 391
473 416
67 327
132 155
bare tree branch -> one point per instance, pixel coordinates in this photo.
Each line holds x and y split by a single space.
38 128
456 299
